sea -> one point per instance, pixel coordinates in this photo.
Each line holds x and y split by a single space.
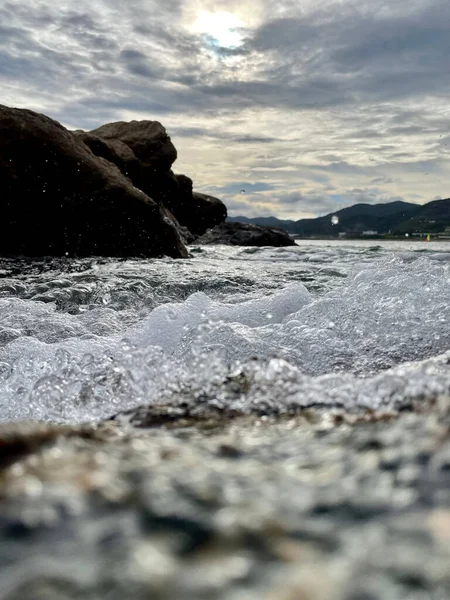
352 324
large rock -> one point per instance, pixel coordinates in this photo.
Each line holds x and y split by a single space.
246 234
197 212
57 198
149 144
148 140
115 151
207 212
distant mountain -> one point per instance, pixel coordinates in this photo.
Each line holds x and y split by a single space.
357 219
269 221
432 217
353 220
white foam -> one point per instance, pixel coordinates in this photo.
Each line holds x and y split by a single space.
167 324
349 346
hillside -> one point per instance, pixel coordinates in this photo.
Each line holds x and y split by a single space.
432 217
353 220
288 225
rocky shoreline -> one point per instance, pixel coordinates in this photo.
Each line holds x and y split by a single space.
110 192
107 192
234 490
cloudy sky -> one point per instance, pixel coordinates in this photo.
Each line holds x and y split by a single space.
307 105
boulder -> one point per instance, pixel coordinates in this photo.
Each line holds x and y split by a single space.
115 151
147 139
57 197
149 143
246 234
206 212
197 212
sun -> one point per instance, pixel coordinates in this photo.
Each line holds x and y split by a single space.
224 28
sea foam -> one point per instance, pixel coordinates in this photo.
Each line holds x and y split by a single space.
378 339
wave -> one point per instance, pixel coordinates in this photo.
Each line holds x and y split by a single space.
378 339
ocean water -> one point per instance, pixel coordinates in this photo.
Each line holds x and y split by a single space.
351 324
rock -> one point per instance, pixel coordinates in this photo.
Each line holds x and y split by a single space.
147 139
208 213
57 198
254 508
115 151
187 236
185 184
198 212
149 144
18 440
246 234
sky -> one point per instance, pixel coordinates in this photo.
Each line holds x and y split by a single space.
291 108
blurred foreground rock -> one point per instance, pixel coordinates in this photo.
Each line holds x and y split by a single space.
322 505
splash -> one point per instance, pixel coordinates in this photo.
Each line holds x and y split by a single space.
379 338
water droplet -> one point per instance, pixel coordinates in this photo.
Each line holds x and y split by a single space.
32 487
5 370
87 363
171 314
62 358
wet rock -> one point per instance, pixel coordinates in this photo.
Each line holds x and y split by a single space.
209 212
144 152
18 440
229 451
178 415
197 212
246 234
164 513
114 151
58 198
147 139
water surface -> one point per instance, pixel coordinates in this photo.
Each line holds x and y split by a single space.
349 323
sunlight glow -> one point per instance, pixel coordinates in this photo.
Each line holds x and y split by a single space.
223 27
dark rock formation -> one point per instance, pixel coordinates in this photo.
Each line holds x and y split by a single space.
115 151
147 139
209 212
57 198
244 234
149 145
198 212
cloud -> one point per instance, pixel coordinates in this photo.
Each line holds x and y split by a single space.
251 208
137 63
381 180
245 187
318 99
